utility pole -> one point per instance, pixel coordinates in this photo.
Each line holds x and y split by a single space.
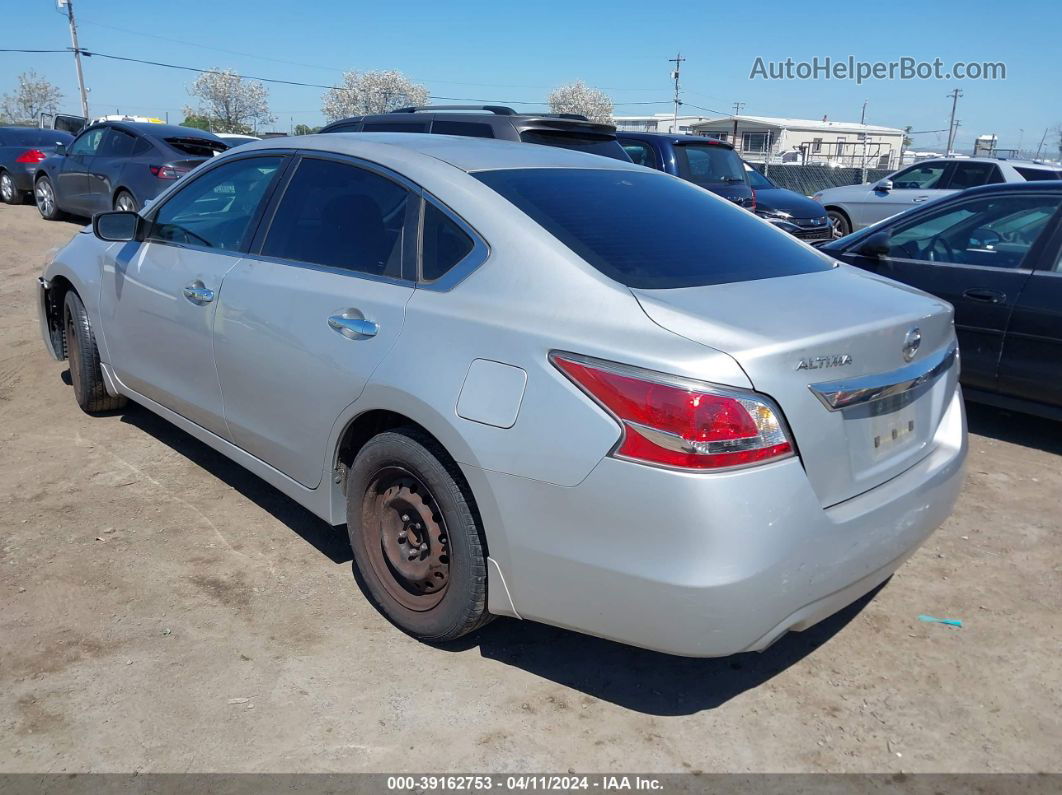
951 124
863 136
677 60
77 55
1041 146
737 109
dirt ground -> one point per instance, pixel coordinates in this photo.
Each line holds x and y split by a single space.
164 611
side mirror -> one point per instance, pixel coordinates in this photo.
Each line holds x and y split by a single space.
60 149
877 245
884 185
116 227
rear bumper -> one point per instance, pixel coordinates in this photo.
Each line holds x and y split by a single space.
22 176
710 565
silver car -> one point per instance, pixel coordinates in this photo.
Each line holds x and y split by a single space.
853 207
531 382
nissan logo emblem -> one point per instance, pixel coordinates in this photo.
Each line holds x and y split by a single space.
911 343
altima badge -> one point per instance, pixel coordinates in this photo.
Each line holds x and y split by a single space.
820 362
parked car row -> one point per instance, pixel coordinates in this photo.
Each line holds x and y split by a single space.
530 381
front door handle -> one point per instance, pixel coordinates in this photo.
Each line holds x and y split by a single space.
197 293
985 296
919 199
353 327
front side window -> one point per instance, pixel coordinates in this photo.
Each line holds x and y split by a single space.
993 232
707 164
341 216
444 244
88 142
926 176
215 210
649 230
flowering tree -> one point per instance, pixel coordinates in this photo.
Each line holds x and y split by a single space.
578 97
362 93
230 103
32 96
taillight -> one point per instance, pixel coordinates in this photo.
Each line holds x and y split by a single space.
31 156
677 422
169 172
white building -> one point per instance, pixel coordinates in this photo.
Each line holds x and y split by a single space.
780 140
658 122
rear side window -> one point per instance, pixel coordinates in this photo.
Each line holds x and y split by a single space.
709 164
1037 174
395 126
592 144
468 129
640 153
652 231
197 147
341 216
117 144
444 244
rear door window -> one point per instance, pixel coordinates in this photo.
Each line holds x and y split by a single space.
396 126
341 216
707 164
468 129
969 175
117 143
649 230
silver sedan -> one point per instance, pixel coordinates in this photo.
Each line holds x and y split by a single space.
530 382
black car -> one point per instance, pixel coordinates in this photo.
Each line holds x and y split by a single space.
707 162
994 253
21 151
566 130
800 216
118 166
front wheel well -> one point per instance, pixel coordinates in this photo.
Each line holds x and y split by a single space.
54 299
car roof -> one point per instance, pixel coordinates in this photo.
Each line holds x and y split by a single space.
467 154
158 130
1036 185
676 139
1002 160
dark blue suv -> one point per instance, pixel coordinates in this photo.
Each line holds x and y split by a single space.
712 164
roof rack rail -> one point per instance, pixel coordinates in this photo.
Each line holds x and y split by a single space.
497 110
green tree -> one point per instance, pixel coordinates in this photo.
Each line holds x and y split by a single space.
306 129
196 121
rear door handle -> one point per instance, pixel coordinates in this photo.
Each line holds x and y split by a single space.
919 199
985 296
353 327
197 293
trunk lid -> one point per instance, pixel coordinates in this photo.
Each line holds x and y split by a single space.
842 325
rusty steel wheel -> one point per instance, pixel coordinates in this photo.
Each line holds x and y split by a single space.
419 552
405 536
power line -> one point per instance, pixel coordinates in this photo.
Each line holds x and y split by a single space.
198 70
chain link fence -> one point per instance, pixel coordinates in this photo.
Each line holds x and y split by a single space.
807 180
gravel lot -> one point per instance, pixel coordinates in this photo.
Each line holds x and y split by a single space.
165 611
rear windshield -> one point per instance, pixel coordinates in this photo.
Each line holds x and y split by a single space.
34 137
197 147
707 164
650 230
593 144
1037 174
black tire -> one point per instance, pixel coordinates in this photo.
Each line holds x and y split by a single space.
840 223
9 193
125 197
404 494
44 198
85 372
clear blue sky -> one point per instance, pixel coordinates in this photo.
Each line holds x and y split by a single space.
517 52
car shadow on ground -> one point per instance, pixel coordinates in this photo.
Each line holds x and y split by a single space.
330 541
641 680
1026 430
